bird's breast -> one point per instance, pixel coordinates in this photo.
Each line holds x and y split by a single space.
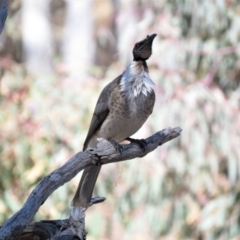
126 117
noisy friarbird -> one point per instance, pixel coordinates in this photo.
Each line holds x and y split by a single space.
122 108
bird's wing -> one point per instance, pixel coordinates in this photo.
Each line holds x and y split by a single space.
101 110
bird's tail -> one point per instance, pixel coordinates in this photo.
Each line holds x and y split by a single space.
86 185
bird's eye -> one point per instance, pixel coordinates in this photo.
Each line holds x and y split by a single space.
137 45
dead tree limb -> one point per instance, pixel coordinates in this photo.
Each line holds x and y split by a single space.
3 13
73 228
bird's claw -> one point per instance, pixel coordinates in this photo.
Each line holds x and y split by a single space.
96 160
118 147
142 143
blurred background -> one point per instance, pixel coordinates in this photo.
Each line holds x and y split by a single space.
55 58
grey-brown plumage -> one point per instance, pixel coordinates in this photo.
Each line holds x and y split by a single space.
122 108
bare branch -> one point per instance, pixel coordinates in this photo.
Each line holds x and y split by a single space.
105 153
3 13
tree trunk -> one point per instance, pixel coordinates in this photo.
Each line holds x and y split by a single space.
78 46
36 36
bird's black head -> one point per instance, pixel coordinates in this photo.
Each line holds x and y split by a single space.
143 49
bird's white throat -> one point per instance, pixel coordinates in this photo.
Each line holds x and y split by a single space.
135 80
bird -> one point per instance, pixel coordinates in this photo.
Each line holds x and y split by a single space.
122 108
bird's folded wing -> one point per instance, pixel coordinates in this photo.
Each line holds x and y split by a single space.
101 110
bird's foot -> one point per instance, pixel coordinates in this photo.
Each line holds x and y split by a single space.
95 158
140 142
98 161
116 145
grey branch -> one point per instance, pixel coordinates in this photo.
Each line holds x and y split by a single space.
73 228
3 13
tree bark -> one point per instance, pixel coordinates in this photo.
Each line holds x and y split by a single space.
74 226
3 13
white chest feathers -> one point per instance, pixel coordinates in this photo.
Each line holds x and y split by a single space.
136 80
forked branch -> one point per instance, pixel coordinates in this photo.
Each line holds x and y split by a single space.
73 228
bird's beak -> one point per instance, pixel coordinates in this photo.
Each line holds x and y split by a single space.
149 39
